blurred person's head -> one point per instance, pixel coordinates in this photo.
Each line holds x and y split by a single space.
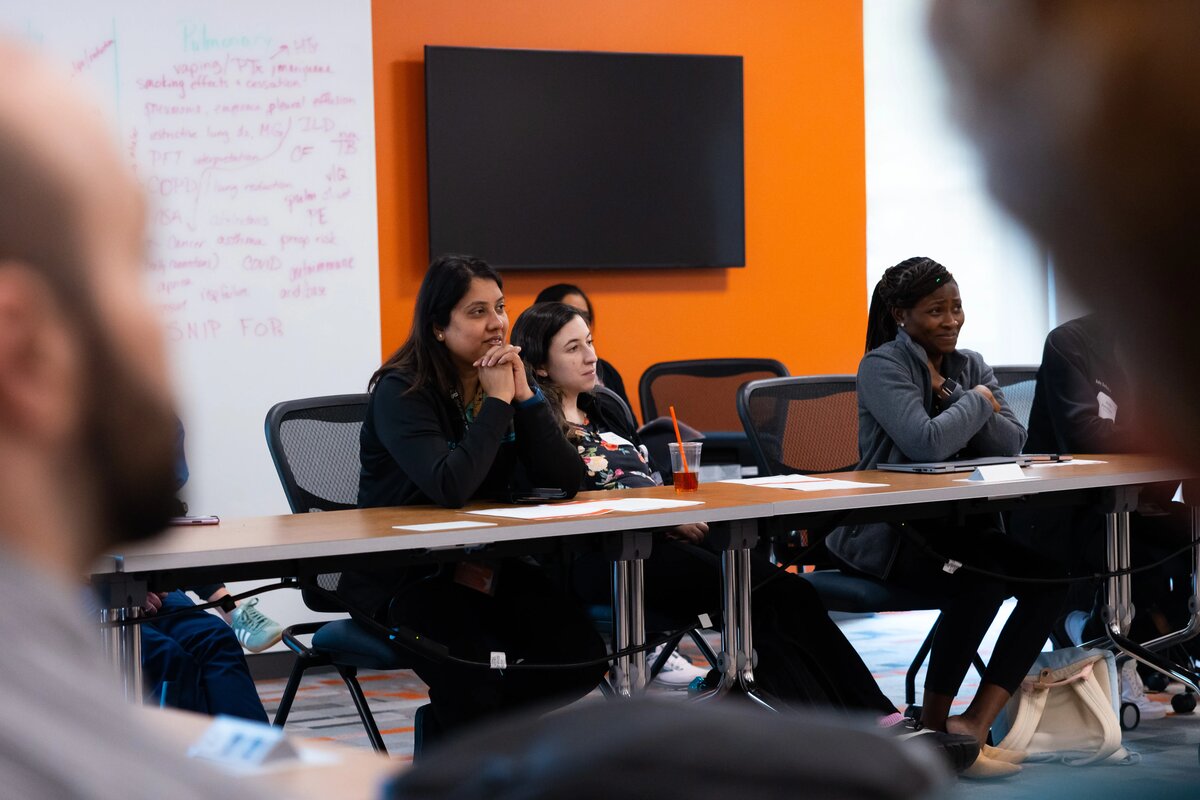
1087 113
571 295
87 427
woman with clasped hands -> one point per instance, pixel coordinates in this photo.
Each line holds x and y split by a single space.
452 418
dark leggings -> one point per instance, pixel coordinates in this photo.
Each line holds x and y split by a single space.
970 601
803 656
527 618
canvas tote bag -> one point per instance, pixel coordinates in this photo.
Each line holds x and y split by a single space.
1067 709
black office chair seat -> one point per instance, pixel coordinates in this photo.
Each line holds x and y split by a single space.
357 647
857 594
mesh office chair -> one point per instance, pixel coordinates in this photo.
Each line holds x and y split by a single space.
704 393
314 443
1018 383
808 425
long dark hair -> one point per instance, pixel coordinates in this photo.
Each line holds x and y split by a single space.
445 283
533 332
556 293
901 286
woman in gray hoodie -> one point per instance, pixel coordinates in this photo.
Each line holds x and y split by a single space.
920 398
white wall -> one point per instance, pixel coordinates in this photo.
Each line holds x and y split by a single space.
251 126
926 194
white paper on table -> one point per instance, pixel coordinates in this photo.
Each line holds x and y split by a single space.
546 510
822 485
649 503
446 526
592 508
1078 462
773 480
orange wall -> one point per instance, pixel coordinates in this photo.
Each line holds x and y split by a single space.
800 297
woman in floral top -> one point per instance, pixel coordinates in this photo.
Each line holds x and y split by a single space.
804 658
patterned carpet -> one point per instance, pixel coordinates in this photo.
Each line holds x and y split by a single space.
886 642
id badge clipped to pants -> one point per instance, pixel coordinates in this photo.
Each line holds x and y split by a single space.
478 575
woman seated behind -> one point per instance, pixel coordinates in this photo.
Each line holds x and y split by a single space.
451 418
803 657
573 296
920 398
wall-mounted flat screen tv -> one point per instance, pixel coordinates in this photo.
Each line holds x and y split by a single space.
568 160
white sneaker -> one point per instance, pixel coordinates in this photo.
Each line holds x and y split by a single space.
677 672
254 630
1133 691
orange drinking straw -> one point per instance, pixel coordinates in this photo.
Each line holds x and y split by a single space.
678 438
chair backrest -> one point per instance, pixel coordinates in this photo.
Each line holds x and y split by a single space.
314 443
801 424
626 411
704 392
1018 383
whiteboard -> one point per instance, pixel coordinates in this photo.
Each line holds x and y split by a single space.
251 127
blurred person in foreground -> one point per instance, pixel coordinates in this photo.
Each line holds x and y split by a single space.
87 433
1087 113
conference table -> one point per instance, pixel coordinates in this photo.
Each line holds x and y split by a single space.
738 514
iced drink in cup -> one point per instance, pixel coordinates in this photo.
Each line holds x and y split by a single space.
686 480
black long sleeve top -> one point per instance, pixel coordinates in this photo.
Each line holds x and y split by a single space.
1079 371
417 449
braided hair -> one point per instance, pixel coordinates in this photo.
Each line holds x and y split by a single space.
901 286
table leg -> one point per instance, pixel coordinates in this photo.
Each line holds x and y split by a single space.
737 656
1119 609
1192 628
637 621
621 679
628 552
747 657
121 599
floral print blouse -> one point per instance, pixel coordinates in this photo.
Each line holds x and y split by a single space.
611 462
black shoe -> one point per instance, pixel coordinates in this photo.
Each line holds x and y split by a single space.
959 750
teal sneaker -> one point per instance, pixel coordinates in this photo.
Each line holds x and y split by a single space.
254 630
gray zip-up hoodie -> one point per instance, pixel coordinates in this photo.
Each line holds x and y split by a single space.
896 424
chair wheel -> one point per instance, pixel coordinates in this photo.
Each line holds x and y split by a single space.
1130 716
1184 703
913 711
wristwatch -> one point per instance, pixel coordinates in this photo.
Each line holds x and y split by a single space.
948 388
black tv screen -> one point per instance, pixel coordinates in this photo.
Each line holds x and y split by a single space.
548 159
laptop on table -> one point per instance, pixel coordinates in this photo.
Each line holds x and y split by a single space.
964 465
